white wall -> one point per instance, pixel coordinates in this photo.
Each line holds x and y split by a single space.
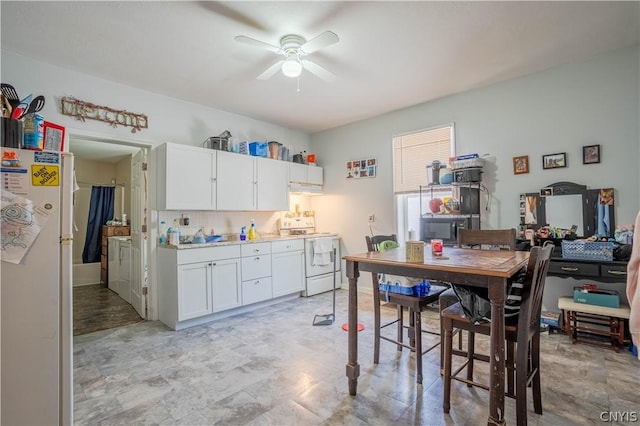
558 110
170 119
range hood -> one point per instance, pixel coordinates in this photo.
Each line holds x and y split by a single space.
305 189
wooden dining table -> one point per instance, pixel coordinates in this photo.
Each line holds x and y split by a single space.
481 268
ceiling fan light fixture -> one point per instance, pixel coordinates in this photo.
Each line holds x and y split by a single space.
291 67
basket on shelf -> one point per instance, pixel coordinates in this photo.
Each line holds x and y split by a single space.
465 164
586 250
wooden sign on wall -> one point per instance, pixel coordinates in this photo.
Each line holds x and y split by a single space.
82 110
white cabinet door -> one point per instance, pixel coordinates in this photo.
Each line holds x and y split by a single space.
124 271
186 178
236 181
288 272
314 175
303 174
273 187
297 173
226 284
194 290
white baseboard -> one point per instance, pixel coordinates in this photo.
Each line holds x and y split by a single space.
86 274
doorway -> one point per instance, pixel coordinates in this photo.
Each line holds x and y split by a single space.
107 162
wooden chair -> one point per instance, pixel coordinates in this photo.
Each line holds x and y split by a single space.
525 333
413 304
502 238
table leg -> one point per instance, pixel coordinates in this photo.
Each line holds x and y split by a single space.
497 295
353 369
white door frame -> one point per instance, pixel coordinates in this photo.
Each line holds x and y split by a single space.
75 134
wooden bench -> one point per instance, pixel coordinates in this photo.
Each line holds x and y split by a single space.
594 320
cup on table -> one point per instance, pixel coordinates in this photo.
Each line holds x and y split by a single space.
436 247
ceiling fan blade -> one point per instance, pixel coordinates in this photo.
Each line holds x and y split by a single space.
257 43
316 69
270 72
325 39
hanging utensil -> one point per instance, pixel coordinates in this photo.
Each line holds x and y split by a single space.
35 105
10 93
24 104
6 107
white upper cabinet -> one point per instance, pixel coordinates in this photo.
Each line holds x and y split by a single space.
186 178
314 175
236 181
306 175
273 187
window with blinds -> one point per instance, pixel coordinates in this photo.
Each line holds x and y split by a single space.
412 153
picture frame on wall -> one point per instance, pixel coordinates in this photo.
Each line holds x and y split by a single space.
590 154
554 161
357 169
521 165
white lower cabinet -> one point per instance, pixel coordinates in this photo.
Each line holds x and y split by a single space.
256 273
257 290
226 284
287 264
194 290
194 285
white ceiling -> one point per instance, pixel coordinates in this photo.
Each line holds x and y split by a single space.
391 55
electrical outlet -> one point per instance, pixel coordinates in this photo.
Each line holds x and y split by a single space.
371 218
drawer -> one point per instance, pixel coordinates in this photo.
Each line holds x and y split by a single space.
116 231
253 249
287 245
206 254
256 267
257 290
574 268
614 271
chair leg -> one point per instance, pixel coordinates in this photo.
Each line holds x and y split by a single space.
510 364
411 333
376 326
471 346
400 326
535 365
448 347
522 356
418 343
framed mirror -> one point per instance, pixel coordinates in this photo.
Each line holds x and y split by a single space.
564 204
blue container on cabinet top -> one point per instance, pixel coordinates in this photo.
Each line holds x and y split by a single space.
258 149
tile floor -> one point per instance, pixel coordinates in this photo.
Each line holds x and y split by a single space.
272 367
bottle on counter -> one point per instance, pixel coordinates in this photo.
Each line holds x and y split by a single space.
163 233
243 235
252 230
175 233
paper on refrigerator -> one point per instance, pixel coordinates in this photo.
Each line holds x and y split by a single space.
20 222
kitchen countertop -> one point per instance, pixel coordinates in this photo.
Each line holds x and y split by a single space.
263 238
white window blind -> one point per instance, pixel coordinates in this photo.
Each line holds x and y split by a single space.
412 153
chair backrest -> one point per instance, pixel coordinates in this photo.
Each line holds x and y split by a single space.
373 242
496 237
531 306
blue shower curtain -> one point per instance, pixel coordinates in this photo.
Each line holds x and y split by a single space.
100 211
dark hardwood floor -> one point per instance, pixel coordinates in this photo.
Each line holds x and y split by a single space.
97 308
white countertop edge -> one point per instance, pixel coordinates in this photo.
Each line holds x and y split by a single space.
263 239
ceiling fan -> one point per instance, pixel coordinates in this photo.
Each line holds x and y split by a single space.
294 48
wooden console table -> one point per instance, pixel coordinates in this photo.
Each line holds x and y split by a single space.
610 272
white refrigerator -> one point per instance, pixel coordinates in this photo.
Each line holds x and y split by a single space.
36 288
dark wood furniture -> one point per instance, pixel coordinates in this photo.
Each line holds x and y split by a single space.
109 231
585 322
413 304
504 238
525 332
482 268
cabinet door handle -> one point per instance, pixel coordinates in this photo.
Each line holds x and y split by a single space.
257 258
566 269
616 272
